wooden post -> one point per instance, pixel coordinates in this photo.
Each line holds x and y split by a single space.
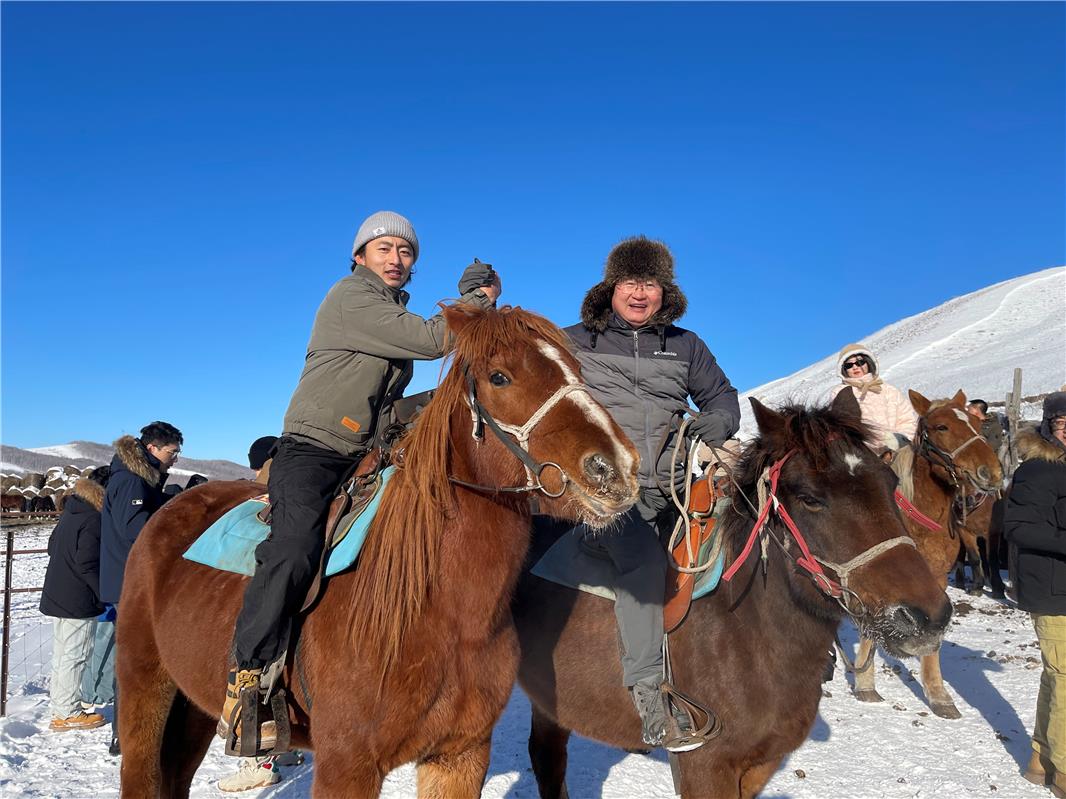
1014 410
8 558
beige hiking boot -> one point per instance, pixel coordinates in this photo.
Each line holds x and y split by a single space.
79 721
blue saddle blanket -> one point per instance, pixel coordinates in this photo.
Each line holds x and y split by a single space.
229 544
576 563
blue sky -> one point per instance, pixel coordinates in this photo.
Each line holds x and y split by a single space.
181 182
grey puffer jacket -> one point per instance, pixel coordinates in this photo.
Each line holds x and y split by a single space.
642 376
359 361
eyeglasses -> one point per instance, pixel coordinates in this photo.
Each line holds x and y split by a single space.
856 362
629 286
170 452
1059 423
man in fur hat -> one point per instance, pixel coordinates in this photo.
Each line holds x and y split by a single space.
644 370
1035 528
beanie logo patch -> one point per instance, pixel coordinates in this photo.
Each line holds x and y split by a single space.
378 231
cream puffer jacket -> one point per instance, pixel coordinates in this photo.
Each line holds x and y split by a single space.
888 411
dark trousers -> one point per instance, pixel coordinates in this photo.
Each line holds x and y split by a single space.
303 481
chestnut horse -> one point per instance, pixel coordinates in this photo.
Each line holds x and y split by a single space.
754 650
947 459
412 654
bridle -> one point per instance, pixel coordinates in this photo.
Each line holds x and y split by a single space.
938 457
519 446
838 589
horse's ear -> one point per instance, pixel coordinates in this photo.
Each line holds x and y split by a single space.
459 315
770 422
918 402
845 404
959 398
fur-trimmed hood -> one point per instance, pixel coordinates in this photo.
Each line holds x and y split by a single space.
641 258
135 458
1033 446
850 351
90 491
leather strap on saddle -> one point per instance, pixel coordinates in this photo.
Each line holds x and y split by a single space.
355 492
679 585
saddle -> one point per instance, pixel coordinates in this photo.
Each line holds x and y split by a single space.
679 585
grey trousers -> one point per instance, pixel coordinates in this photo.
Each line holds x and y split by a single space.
634 548
72 643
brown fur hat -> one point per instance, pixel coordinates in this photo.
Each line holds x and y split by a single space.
641 258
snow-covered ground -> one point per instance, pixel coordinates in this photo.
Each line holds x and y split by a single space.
894 749
973 342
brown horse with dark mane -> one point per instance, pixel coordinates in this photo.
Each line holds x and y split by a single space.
412 654
754 650
947 460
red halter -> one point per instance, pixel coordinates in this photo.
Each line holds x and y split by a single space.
806 561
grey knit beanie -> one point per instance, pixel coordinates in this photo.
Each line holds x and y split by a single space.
385 223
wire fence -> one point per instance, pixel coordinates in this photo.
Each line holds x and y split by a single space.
26 633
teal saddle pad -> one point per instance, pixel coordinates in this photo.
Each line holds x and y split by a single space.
229 544
574 562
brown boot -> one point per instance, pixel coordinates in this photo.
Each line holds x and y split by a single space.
79 721
1058 785
1039 771
241 680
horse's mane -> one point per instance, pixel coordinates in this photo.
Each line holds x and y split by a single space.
903 462
398 565
903 466
811 431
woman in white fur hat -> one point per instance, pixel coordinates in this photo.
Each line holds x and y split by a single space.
884 407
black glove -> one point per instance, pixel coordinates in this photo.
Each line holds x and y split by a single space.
712 427
475 276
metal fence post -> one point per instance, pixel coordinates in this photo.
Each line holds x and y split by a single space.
9 555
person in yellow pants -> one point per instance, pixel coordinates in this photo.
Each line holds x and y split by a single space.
1035 527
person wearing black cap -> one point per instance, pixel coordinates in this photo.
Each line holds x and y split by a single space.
1035 528
359 360
259 456
643 369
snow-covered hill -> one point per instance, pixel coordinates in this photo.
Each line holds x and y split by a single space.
973 342
88 453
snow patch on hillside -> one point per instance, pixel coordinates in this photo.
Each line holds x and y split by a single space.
973 342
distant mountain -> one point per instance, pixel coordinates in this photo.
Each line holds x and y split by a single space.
973 342
88 453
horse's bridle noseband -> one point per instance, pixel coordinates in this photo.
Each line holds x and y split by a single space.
811 564
503 431
938 457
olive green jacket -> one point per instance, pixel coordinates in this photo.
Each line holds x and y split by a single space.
359 361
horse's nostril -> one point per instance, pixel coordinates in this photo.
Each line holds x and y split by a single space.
912 618
598 468
984 474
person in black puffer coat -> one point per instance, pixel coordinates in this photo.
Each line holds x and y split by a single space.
644 369
71 596
1035 528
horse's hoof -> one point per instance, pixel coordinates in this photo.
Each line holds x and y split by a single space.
975 591
948 711
869 696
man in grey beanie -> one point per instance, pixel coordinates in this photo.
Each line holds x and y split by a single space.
359 361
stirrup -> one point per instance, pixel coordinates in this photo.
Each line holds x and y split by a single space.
689 725
246 715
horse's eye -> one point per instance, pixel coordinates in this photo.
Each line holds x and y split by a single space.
943 428
811 503
499 379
